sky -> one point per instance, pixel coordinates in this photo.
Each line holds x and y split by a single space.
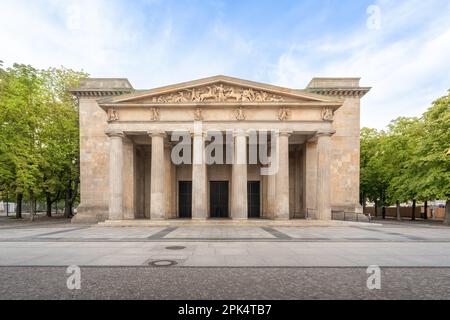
399 48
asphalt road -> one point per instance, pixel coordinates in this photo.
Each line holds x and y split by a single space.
223 283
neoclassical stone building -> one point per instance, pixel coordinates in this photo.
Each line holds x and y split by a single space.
127 170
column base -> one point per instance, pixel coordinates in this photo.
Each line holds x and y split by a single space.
90 214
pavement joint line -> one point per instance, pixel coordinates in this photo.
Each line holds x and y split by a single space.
340 240
415 238
60 231
161 234
276 233
141 266
33 226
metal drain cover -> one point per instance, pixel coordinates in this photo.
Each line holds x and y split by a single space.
163 263
175 248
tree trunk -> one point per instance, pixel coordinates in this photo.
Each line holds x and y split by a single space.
7 204
32 206
383 212
399 215
19 205
376 209
413 213
49 205
447 213
425 210
68 203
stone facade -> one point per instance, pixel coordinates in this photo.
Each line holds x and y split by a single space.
126 142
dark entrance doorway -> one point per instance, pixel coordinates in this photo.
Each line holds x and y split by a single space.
254 199
218 195
185 199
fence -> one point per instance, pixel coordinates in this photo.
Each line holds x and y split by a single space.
9 208
406 212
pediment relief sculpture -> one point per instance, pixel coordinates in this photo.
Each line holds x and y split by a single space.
218 93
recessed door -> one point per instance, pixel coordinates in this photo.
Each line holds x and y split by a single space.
254 199
185 199
218 193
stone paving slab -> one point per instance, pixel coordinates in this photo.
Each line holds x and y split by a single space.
397 254
224 283
227 246
103 233
219 232
16 233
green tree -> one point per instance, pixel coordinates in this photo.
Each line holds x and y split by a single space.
39 129
61 152
409 161
21 107
430 162
374 176
400 144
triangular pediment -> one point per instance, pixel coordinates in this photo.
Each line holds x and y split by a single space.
218 89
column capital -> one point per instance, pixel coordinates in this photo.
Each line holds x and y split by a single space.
285 133
324 133
201 134
240 133
157 134
114 133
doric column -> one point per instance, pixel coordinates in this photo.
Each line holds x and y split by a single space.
168 191
281 211
271 195
115 175
239 205
157 197
323 175
199 178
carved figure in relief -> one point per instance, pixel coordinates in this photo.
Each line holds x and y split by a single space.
283 114
232 94
113 115
220 93
248 95
161 99
208 95
240 114
276 99
154 114
261 96
195 95
198 116
327 114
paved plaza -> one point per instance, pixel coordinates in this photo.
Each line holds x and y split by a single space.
388 245
219 283
224 261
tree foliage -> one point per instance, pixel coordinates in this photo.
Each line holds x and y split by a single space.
408 161
39 131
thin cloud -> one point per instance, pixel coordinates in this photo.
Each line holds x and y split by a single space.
156 42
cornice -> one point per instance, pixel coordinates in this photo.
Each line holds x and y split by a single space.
358 92
100 93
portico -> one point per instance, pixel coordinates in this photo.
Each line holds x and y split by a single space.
312 142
